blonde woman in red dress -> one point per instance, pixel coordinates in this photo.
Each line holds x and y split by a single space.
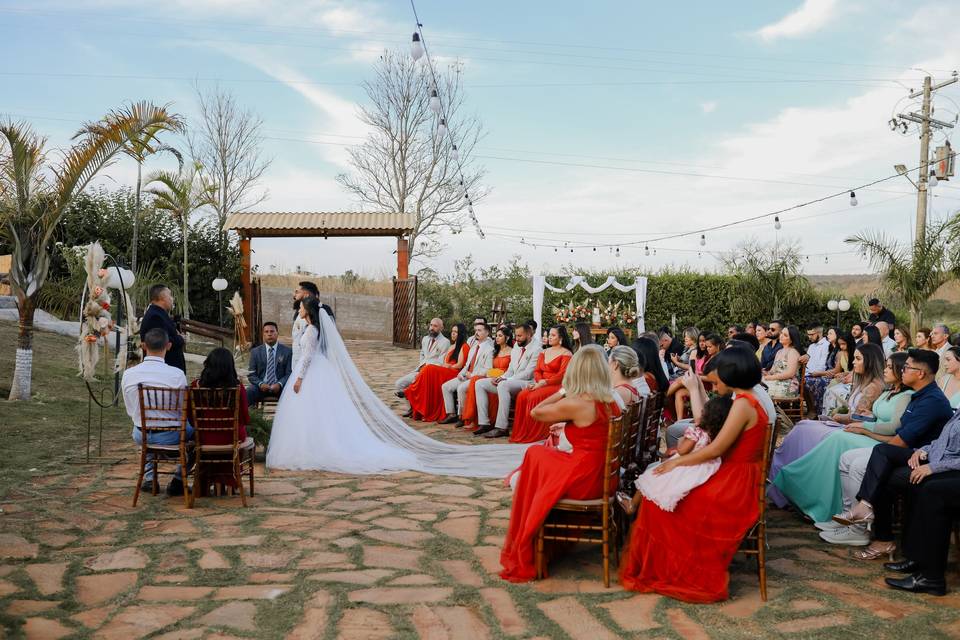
547 474
685 553
424 395
501 362
551 365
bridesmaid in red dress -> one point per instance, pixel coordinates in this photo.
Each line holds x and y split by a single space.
501 362
685 554
551 365
425 395
547 474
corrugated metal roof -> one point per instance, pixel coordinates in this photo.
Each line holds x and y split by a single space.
318 223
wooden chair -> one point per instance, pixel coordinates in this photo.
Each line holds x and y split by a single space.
755 542
216 411
162 410
633 420
649 440
795 408
600 507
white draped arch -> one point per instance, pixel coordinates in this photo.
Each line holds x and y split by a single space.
639 287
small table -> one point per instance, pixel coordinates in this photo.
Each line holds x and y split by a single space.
600 331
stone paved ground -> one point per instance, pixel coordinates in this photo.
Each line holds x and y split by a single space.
320 555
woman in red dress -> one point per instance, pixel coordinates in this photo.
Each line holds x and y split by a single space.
424 395
551 365
548 474
501 362
685 554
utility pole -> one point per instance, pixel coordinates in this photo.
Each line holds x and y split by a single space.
927 124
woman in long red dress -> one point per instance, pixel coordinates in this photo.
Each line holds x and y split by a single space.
551 365
685 554
501 362
424 395
548 474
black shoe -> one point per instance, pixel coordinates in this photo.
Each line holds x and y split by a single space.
450 418
918 584
147 486
496 433
459 424
482 429
903 566
408 414
175 488
399 394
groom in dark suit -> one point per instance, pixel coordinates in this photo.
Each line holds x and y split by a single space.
157 316
270 366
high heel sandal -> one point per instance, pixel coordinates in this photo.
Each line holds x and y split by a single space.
872 553
626 503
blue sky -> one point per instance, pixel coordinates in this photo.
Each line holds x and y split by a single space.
778 102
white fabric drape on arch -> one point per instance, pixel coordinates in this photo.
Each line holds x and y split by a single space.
639 287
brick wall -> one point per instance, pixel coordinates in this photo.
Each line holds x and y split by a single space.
359 317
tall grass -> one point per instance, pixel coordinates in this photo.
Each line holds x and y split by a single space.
349 282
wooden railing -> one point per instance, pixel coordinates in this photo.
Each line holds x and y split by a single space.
206 330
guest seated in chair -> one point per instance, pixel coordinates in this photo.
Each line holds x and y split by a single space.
782 379
432 349
523 359
154 372
270 366
479 360
547 376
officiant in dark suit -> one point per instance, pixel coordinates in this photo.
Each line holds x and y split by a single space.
270 366
157 316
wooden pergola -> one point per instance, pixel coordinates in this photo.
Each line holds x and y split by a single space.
288 224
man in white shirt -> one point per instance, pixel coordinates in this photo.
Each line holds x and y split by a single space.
940 342
523 360
479 360
816 356
432 349
154 372
888 343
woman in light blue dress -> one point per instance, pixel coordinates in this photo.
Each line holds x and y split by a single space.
949 382
812 482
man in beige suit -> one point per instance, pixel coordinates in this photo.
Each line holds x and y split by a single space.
479 360
523 360
432 349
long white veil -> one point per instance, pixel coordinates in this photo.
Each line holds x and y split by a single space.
433 456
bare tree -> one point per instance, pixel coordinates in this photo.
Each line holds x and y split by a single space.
406 165
226 142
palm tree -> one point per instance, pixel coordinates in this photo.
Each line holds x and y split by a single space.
913 272
140 148
766 278
181 194
35 193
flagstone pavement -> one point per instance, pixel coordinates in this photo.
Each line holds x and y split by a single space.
322 555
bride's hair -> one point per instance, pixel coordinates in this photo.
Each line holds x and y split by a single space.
589 374
313 310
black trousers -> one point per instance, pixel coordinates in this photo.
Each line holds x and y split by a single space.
887 473
935 505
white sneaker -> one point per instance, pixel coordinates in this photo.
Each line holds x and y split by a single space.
855 536
828 525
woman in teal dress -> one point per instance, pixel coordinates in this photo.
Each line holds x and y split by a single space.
949 382
812 482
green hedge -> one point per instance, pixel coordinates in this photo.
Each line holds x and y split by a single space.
696 299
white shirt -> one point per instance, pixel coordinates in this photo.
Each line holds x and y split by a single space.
521 368
889 344
152 372
818 352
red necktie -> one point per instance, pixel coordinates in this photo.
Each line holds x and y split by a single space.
522 351
473 359
432 341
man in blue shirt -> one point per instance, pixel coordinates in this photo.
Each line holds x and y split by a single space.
921 423
770 349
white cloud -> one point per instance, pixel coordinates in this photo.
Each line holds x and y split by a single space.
811 16
709 106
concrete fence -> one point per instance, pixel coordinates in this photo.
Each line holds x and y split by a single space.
359 317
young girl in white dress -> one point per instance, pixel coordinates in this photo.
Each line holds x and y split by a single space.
668 489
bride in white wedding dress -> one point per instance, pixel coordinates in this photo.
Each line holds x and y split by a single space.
329 419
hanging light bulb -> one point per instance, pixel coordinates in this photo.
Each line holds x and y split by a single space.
434 101
416 47
618 252
646 250
776 223
594 249
571 250
893 124
699 255
454 154
826 259
853 199
932 182
703 239
654 252
442 127
470 208
554 249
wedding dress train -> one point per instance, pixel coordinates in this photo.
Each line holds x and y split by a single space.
337 423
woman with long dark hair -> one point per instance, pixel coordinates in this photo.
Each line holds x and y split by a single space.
220 372
503 343
783 379
649 355
816 382
685 553
615 337
582 336
547 377
425 395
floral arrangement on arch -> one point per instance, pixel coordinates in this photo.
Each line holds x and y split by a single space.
610 314
97 322
572 313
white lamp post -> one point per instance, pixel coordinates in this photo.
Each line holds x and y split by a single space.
840 306
219 284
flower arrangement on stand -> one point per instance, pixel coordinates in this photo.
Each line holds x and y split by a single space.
613 314
572 313
97 322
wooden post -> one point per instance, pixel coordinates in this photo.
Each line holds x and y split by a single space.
403 258
246 283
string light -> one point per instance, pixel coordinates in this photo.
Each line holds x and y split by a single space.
442 127
853 199
454 153
776 223
618 252
434 101
932 182
646 250
703 239
416 47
